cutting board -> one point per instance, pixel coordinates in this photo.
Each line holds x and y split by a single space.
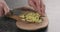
25 25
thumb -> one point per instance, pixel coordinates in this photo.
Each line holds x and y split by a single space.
6 8
1 10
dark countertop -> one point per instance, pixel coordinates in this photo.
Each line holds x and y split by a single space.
8 25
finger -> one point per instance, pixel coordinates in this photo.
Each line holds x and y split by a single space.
6 8
31 3
1 9
42 8
37 5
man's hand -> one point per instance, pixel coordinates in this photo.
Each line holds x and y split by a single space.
38 6
3 8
